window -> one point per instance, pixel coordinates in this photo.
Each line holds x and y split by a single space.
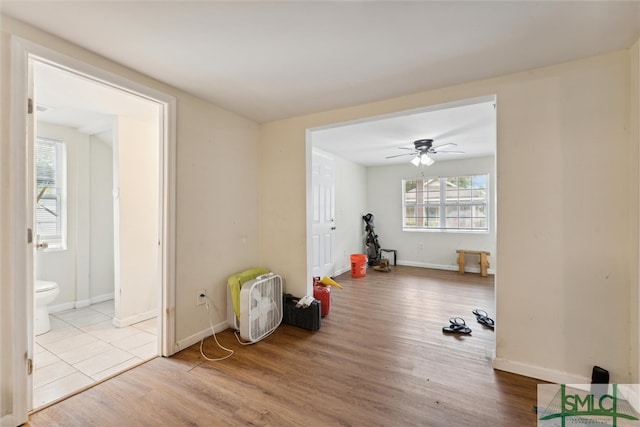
50 193
446 203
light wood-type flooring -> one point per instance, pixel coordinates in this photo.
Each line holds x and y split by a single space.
379 359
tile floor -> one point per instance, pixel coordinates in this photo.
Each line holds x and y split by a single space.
84 347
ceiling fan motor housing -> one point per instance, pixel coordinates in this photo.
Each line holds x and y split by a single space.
422 144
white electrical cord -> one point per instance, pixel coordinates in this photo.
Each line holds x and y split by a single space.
206 303
237 334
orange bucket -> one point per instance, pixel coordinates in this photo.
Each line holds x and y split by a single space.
358 265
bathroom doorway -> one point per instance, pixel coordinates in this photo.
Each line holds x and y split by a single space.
97 226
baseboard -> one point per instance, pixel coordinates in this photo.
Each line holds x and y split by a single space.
83 303
136 318
631 394
195 338
102 298
467 269
341 271
449 267
80 303
62 307
538 372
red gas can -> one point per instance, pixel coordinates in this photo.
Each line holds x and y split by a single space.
323 294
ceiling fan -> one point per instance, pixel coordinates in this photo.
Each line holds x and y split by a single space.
423 149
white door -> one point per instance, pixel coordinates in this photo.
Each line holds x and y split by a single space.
323 224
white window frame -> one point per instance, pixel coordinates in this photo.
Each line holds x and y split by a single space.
57 240
441 204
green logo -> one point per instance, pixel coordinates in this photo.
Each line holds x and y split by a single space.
576 407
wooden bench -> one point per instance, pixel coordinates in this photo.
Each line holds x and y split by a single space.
484 262
395 254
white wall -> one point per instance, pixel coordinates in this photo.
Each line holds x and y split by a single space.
351 205
137 219
427 248
84 271
70 267
565 243
101 216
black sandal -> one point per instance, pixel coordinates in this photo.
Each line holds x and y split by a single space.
483 318
457 326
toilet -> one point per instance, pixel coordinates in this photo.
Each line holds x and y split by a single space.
46 292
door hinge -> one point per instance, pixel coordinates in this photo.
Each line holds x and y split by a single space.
29 235
30 106
29 366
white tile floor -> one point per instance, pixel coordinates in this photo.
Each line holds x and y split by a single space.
84 347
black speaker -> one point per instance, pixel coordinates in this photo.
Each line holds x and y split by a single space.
599 381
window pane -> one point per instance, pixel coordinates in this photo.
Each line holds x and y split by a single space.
49 164
479 211
479 181
452 222
462 204
480 223
433 223
465 223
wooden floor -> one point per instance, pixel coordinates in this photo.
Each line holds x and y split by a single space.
380 359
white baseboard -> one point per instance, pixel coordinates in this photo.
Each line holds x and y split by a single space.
62 307
101 298
341 271
195 338
467 269
83 303
450 267
538 372
57 308
136 318
631 394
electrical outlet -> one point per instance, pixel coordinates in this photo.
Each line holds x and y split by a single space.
201 297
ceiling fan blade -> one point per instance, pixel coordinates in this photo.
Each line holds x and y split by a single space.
449 152
445 145
406 148
400 155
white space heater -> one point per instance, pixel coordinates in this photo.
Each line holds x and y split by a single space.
260 307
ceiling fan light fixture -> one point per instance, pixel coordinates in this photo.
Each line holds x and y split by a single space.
426 160
416 161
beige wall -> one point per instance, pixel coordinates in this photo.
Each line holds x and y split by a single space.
136 225
216 207
634 142
564 248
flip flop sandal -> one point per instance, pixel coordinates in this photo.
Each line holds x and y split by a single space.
483 318
457 329
457 321
480 313
487 321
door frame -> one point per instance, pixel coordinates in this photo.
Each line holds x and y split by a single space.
22 251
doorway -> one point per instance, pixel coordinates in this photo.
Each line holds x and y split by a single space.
97 208
28 56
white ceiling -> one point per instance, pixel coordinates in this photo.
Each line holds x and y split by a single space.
471 125
66 99
269 60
